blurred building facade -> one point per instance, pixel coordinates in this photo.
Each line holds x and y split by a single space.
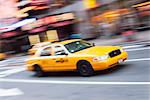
120 15
59 19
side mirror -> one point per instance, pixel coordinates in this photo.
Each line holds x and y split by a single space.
93 44
64 53
48 54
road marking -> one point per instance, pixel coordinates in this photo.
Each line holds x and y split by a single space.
12 67
141 59
10 92
17 70
132 46
23 68
12 71
138 49
72 82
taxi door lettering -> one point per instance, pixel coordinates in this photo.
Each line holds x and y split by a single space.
61 60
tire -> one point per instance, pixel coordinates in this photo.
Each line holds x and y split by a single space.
85 68
38 71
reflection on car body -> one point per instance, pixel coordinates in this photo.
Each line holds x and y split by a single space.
75 55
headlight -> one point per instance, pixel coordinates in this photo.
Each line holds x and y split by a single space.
121 49
100 58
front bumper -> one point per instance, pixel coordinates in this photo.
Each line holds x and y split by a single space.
110 62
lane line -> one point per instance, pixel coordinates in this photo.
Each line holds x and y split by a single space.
132 46
9 72
137 49
10 92
12 71
72 82
17 70
140 59
12 67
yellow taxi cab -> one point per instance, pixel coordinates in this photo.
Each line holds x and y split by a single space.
2 56
37 46
75 55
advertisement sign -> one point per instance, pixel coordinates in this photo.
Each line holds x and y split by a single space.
8 34
49 20
16 25
39 2
40 29
7 21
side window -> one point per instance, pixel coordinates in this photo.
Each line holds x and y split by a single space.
46 52
59 50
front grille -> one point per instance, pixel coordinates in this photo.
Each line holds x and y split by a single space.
114 53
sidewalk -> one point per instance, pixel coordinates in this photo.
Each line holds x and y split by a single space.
139 36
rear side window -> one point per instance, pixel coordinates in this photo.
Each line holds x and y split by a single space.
46 52
59 50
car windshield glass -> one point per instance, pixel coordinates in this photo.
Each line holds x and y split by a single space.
77 46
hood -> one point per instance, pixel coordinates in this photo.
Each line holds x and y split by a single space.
97 50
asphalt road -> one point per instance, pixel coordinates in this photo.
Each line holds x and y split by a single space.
128 81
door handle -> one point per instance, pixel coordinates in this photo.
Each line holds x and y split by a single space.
57 60
60 60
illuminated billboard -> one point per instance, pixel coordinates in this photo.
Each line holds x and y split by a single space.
90 4
49 20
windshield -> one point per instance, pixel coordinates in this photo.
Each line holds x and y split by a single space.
77 46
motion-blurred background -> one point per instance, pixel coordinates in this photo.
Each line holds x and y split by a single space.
24 23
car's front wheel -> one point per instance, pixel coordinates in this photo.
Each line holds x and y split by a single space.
85 68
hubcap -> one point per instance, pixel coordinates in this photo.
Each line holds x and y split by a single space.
84 68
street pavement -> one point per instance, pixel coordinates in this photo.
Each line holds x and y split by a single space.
128 81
